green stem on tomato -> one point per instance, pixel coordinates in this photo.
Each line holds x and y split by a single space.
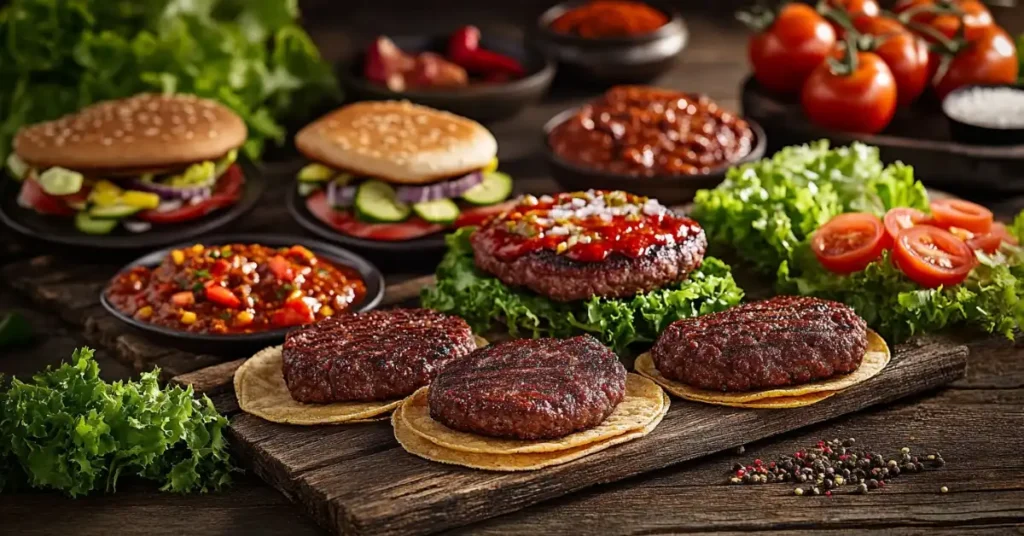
849 63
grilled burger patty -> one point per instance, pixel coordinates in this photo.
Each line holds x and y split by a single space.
379 355
578 245
782 341
529 388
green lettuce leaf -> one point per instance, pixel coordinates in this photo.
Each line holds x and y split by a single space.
766 209
251 55
486 303
68 430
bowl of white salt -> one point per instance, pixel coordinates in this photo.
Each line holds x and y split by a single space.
986 114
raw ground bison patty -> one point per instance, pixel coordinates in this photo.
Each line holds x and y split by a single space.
782 341
618 276
379 355
530 388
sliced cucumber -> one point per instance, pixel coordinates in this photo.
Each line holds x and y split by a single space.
316 173
113 212
94 226
60 181
307 188
495 188
376 201
437 211
17 166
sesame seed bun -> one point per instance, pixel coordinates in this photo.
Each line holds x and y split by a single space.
146 131
399 142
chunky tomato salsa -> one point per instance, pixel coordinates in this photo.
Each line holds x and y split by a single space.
236 288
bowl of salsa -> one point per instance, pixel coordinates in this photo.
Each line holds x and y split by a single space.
240 292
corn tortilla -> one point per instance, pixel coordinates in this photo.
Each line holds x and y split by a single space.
643 402
261 391
417 445
876 358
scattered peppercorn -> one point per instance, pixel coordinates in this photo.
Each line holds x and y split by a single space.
831 466
944 489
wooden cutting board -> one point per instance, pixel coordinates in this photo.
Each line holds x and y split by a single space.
355 479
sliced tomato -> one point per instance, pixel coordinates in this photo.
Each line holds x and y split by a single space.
933 257
992 240
346 223
294 313
32 196
227 193
900 218
222 296
963 214
480 215
281 268
849 242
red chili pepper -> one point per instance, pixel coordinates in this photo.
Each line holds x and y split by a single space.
464 50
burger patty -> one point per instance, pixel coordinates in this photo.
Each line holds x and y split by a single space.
379 355
782 341
563 279
530 388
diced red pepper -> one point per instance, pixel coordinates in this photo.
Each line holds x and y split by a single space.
220 267
183 299
281 268
222 296
294 313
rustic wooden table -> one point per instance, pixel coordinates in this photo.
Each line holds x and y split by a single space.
977 422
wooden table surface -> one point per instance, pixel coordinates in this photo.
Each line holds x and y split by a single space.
977 423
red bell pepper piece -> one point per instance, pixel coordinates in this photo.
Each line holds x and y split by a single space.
222 296
281 268
464 49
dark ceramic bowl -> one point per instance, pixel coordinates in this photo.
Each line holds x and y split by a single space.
482 102
669 189
61 231
976 134
246 344
612 60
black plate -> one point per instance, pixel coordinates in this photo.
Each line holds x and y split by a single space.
485 102
669 189
247 343
297 208
62 231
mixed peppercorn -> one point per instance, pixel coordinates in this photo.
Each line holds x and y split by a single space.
835 466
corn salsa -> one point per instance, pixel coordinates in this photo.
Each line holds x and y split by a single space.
236 289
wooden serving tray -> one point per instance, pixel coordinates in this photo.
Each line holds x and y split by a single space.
918 136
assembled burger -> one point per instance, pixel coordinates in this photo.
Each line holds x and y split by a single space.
392 170
142 161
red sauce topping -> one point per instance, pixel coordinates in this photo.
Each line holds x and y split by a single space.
585 226
236 289
643 131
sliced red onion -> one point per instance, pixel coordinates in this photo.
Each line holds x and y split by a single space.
340 195
135 226
441 190
175 192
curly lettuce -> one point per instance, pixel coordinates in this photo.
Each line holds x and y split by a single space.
767 211
251 55
486 303
70 431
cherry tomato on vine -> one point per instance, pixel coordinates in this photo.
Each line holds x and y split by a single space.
932 257
943 17
990 57
849 242
857 96
788 46
852 8
904 53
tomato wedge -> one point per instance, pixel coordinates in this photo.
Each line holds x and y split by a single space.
32 196
933 257
963 214
849 242
229 190
281 268
222 296
900 218
294 313
346 223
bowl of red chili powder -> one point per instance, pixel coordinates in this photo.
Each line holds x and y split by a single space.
612 41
